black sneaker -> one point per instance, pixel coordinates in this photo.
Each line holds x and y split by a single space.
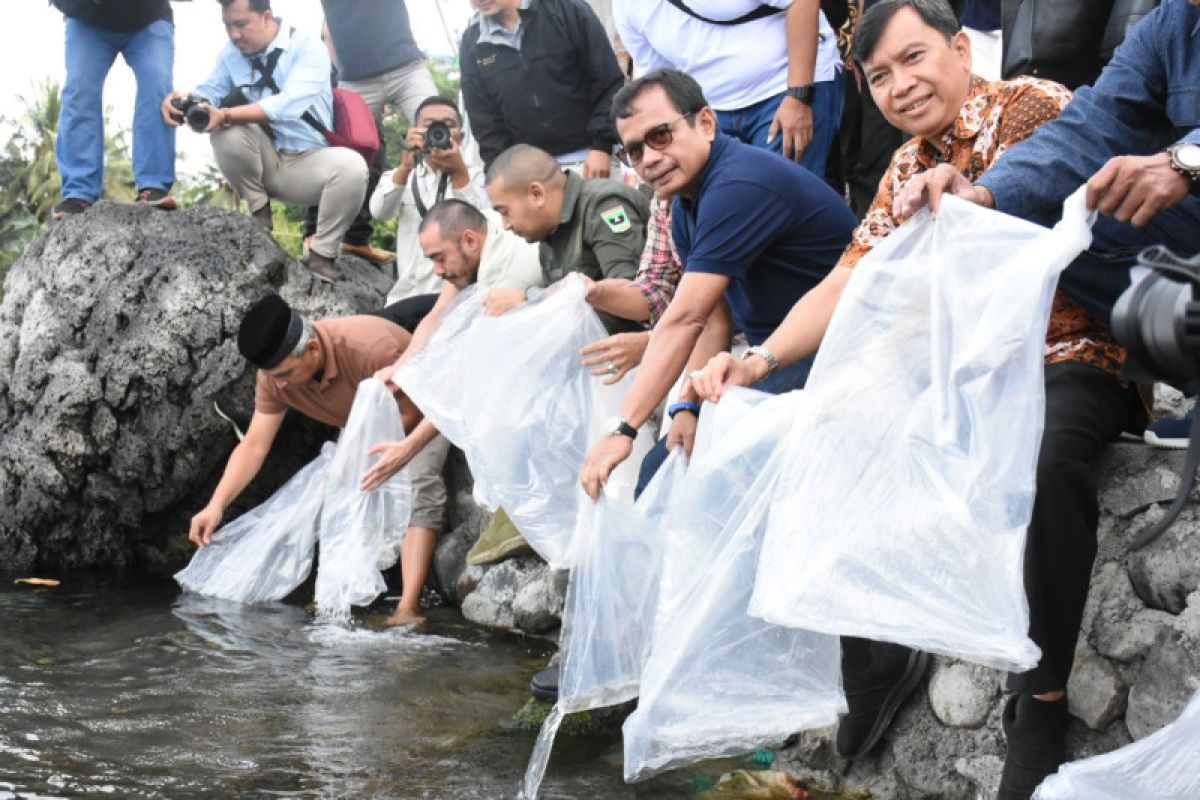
544 685
875 689
69 207
156 198
229 412
1036 731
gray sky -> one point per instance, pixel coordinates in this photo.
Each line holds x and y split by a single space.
32 41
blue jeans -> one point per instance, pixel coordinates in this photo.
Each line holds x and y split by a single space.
783 381
752 124
1098 276
90 53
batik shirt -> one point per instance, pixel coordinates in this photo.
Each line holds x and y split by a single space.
995 116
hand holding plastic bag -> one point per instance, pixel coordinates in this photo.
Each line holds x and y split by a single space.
1163 766
903 503
267 552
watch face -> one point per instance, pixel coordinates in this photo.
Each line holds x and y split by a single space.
613 425
1188 156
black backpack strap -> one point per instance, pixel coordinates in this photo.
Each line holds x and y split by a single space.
758 13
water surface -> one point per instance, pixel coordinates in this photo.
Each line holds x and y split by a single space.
125 688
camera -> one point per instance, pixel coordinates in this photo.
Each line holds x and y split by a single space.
192 110
1157 321
438 137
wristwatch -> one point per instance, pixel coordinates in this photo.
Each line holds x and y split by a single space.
766 355
619 427
805 94
1185 159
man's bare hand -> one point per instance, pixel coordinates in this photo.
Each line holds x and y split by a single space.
1134 188
724 369
501 301
597 165
170 114
927 189
204 525
450 162
608 453
794 120
683 432
615 355
393 457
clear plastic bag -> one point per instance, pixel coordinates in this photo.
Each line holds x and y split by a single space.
1163 766
354 522
718 681
512 393
267 552
609 611
904 499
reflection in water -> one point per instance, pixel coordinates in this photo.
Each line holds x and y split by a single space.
120 690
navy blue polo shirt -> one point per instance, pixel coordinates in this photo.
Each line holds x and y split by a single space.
769 224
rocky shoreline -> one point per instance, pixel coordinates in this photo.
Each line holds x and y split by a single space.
116 331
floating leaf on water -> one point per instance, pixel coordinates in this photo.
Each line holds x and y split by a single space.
38 581
772 785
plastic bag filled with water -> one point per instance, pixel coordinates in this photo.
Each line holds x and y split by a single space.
511 391
720 682
354 523
901 510
1163 766
608 617
267 552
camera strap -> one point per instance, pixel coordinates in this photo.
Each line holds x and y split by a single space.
414 184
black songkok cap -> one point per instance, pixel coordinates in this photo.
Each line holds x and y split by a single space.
269 332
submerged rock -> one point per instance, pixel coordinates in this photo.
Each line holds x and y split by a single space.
117 330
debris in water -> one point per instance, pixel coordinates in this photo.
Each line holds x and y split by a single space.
38 581
772 785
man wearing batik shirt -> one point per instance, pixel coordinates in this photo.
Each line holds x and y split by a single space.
917 64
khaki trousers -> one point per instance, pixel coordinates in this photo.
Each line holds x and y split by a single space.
332 178
403 88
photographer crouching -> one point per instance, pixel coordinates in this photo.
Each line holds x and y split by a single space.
264 106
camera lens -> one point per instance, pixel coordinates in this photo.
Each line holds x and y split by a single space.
1158 323
437 136
198 117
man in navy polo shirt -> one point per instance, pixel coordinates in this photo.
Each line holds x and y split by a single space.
750 227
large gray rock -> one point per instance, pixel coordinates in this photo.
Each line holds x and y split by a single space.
1165 573
117 329
1170 676
1095 693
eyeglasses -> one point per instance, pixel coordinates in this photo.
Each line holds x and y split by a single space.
657 138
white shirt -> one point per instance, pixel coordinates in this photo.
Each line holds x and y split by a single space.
736 65
414 272
507 260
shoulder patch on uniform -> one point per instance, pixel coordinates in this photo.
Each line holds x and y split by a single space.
616 219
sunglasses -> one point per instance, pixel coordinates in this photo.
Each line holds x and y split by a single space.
657 138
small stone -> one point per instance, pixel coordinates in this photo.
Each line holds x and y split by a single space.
1095 694
539 603
962 694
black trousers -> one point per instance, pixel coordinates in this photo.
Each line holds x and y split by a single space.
864 148
1086 408
409 312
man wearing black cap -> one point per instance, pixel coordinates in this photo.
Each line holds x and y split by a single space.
315 368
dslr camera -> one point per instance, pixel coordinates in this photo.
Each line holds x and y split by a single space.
437 137
1157 321
192 110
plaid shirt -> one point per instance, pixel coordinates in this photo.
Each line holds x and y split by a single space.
660 268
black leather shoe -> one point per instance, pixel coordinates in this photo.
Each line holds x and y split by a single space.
874 693
234 415
544 685
1036 731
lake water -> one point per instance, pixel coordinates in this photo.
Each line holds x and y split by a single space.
125 688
